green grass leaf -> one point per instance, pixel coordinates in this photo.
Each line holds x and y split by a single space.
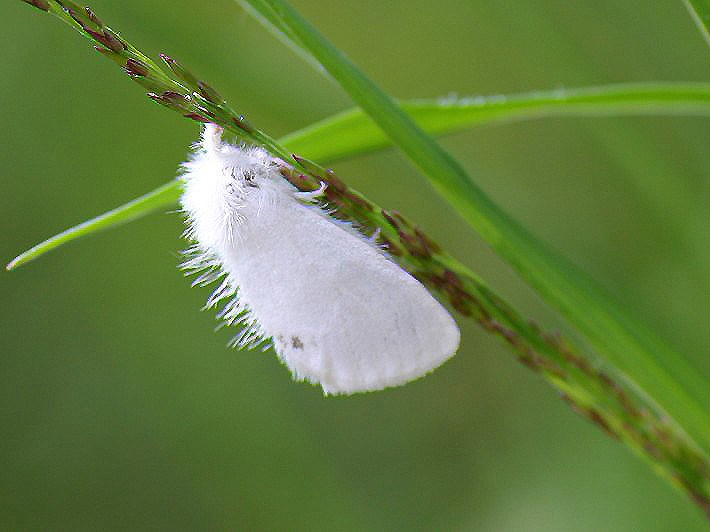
700 11
591 392
653 367
163 196
352 133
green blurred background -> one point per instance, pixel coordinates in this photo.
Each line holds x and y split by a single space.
121 409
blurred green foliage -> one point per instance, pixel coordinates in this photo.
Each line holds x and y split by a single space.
123 410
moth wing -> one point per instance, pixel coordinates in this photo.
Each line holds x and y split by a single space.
340 313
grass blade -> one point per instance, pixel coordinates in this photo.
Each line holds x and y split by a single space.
700 11
163 196
352 133
657 370
591 392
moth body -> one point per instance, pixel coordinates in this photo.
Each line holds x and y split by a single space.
338 311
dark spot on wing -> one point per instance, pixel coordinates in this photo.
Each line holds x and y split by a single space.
296 342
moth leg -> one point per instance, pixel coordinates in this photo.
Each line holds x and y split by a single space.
373 238
310 196
212 138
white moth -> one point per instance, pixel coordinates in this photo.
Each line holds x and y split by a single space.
338 311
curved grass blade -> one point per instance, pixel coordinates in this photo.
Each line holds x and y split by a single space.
590 392
653 367
161 197
352 133
628 346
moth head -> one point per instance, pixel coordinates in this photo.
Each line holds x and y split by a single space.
245 169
